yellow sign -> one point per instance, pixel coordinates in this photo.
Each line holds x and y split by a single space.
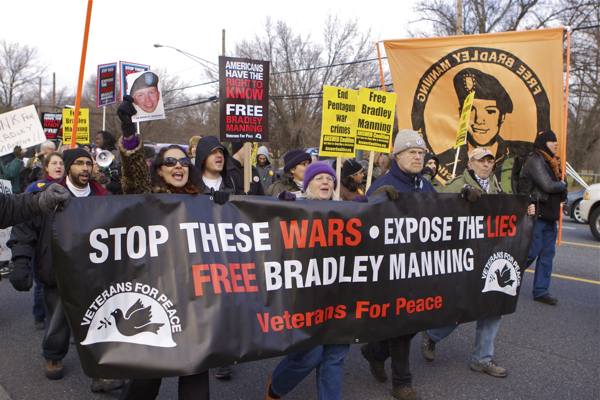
465 116
83 125
375 120
338 130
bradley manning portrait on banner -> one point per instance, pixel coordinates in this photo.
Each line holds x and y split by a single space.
492 105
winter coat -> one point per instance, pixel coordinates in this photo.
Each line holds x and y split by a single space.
17 209
281 185
266 174
543 187
235 168
37 234
402 181
347 195
12 172
455 185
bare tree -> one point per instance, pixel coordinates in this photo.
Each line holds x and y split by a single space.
583 139
300 66
20 71
438 17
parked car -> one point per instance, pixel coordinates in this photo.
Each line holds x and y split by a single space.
589 208
571 207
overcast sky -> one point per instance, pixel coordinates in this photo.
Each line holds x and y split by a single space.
124 30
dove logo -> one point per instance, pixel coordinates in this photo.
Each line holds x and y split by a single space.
502 274
131 318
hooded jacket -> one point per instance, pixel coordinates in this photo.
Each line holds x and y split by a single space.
230 183
455 185
266 174
402 181
437 185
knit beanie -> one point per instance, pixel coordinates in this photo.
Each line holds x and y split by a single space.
350 167
69 156
408 139
236 146
542 139
294 157
315 169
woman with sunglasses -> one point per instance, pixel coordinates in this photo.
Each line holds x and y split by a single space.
170 172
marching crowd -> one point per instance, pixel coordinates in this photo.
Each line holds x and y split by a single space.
206 167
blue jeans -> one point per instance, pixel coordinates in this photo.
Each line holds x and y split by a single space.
327 359
485 332
543 247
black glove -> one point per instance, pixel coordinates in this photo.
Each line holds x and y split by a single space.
221 197
285 195
427 171
125 111
21 276
17 152
361 198
470 193
391 192
55 195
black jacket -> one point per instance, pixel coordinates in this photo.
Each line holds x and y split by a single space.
538 180
18 208
230 183
235 168
33 240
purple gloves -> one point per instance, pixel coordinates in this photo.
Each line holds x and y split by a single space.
363 198
288 196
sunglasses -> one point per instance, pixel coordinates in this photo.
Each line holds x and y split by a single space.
172 161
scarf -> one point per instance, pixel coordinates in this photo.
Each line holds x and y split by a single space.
553 162
188 188
78 192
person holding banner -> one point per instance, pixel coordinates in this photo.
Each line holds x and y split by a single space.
404 176
266 171
296 161
17 209
170 172
235 166
475 181
32 241
328 360
540 179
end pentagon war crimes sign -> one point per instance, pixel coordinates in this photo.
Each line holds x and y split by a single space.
213 285
375 122
338 129
243 100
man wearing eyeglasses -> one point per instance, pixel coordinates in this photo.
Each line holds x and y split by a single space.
32 240
405 176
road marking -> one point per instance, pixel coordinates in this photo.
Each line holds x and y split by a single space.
581 244
569 277
564 227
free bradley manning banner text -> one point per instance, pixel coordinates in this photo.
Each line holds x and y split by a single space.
168 285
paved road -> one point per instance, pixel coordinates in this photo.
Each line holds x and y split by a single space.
551 352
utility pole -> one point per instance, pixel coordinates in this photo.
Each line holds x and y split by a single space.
53 91
459 17
40 100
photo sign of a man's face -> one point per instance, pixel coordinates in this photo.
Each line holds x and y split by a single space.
145 88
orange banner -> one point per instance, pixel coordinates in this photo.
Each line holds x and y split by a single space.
517 78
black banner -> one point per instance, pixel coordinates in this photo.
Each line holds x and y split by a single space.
244 100
169 285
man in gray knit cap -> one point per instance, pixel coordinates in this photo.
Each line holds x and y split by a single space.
405 176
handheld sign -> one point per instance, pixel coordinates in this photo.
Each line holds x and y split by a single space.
465 115
83 125
127 68
20 127
52 124
375 120
106 85
146 90
243 100
338 129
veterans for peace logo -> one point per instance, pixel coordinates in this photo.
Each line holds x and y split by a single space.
132 313
501 274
